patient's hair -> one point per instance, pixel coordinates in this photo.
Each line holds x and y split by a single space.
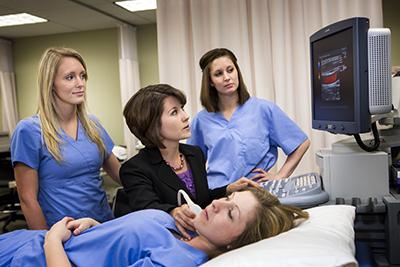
143 112
48 68
208 93
272 218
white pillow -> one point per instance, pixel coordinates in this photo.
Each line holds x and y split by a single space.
325 239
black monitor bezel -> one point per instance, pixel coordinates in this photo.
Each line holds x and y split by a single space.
361 122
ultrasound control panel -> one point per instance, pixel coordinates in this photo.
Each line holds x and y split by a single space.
302 191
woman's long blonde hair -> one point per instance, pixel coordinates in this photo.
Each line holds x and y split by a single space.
50 126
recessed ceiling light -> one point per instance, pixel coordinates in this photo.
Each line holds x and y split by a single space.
137 5
19 19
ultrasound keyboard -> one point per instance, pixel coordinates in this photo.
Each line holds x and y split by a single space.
302 191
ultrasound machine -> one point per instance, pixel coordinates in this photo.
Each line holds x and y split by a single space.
303 191
351 95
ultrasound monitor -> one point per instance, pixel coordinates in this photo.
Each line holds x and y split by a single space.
339 75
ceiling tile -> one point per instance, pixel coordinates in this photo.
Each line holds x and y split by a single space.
70 15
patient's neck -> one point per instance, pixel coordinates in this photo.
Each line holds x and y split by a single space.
201 243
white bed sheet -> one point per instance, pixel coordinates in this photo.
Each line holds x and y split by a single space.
326 239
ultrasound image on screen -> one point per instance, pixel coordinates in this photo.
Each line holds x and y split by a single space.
331 65
333 92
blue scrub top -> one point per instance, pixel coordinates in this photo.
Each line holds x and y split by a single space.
140 238
249 140
72 187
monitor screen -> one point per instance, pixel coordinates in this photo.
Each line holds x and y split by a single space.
339 76
333 72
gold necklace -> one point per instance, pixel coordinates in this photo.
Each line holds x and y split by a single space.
180 167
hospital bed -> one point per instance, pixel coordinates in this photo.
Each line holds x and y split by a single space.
325 239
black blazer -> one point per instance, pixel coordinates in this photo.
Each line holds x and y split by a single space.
151 184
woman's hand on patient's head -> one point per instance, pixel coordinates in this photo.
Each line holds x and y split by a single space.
262 175
59 231
80 225
240 184
183 219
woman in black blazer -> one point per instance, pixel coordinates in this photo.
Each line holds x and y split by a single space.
152 178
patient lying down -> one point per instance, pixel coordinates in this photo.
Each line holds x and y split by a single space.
150 238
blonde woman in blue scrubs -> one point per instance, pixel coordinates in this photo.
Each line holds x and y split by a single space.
239 134
57 153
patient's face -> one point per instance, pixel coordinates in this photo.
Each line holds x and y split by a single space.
226 218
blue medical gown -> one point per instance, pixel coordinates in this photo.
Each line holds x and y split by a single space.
74 186
140 238
249 140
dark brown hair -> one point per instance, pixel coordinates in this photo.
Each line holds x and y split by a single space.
208 94
143 112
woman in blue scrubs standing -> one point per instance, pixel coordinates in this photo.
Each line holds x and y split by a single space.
57 153
239 134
